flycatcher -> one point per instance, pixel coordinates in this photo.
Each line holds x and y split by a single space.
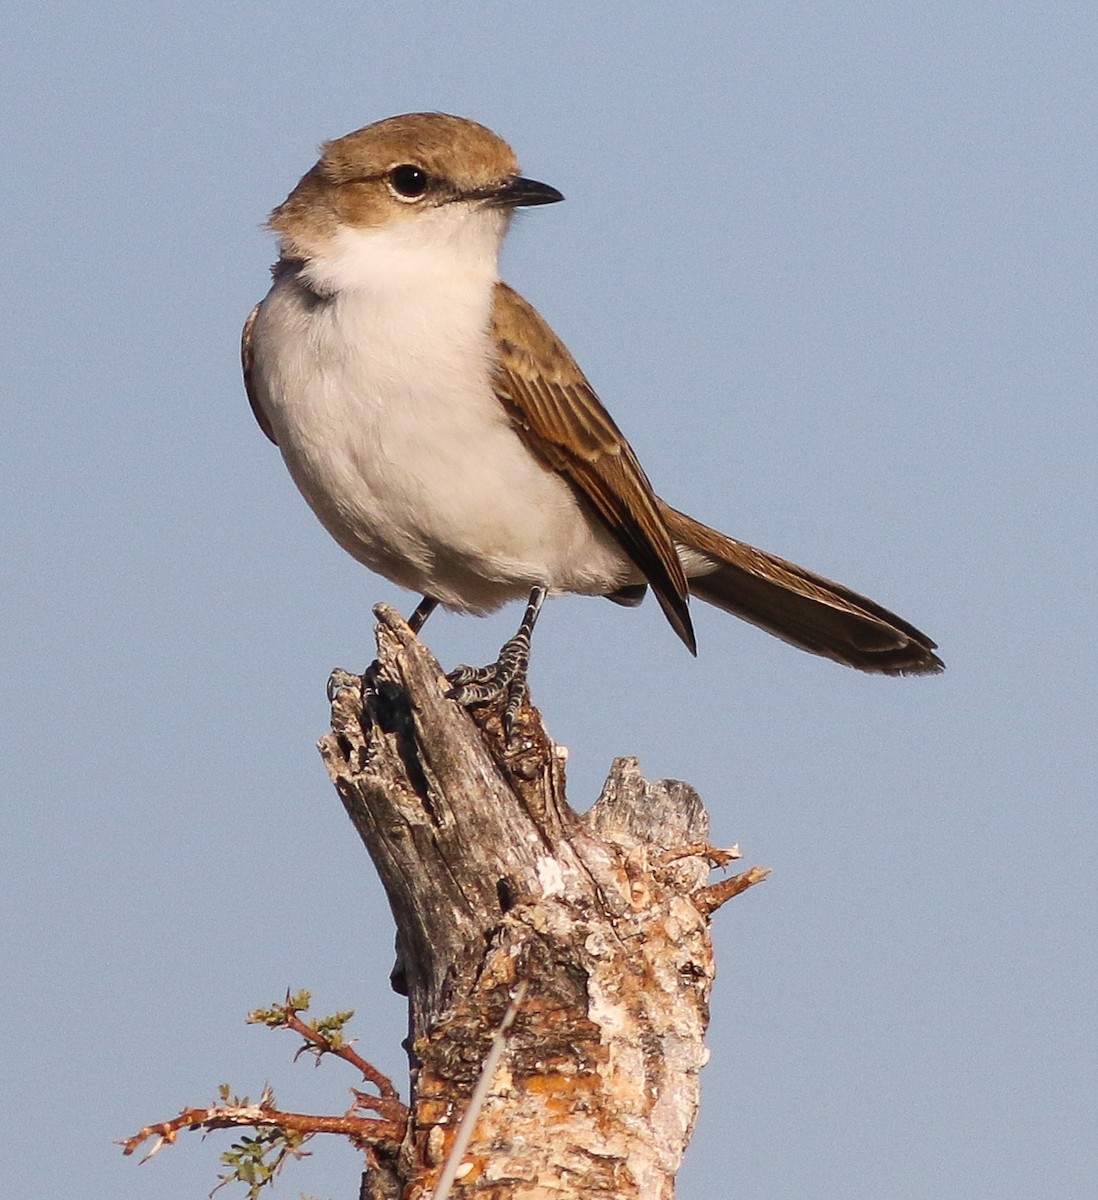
445 437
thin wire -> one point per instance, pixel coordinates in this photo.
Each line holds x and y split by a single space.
480 1094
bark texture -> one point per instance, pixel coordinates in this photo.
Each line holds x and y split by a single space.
493 879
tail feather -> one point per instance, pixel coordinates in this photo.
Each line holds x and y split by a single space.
799 606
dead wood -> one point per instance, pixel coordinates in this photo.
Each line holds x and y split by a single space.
599 922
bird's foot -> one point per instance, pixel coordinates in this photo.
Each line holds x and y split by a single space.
505 677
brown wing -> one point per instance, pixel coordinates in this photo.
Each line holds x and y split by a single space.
563 422
246 362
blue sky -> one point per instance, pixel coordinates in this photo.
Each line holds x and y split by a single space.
832 267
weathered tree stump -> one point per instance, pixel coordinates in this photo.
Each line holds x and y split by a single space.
598 922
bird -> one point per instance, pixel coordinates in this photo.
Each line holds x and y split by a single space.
447 439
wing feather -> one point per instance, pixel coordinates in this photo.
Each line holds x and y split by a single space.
247 363
564 424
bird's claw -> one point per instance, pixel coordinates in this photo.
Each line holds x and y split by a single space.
505 677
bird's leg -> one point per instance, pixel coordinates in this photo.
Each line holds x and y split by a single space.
507 675
423 610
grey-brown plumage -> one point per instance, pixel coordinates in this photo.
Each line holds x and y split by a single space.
563 422
446 437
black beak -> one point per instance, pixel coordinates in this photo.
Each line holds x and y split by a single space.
518 192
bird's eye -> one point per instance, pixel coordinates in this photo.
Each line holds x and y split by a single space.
408 182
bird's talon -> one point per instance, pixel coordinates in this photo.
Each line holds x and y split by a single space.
461 676
506 676
471 693
516 693
338 680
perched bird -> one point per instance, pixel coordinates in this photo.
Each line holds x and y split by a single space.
445 437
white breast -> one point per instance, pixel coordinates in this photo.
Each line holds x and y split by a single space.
380 399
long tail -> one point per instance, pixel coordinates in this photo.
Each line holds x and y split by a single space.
799 606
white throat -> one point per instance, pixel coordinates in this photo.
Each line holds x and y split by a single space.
453 245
